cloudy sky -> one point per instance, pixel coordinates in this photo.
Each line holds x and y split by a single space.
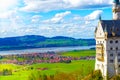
72 18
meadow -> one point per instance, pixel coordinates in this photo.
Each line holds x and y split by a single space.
78 53
81 67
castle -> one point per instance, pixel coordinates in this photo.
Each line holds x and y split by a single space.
107 35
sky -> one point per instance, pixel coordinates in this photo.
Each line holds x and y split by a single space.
72 18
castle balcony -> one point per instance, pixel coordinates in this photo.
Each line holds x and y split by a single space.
100 52
99 48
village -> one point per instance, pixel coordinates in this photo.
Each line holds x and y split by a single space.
32 58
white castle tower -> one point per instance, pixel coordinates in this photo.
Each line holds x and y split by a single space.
116 10
107 35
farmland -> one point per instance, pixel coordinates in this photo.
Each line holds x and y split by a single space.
78 67
78 53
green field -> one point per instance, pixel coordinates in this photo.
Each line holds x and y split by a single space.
22 72
78 53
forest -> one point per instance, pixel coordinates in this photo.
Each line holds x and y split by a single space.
35 41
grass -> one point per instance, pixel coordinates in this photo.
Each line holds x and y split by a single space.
22 72
9 66
64 67
78 53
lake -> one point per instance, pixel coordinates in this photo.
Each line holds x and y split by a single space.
42 50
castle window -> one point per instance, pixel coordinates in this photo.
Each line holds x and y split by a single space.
110 29
111 55
111 61
116 48
111 48
111 41
116 41
118 54
118 60
117 29
98 42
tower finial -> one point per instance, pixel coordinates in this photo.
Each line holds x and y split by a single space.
100 17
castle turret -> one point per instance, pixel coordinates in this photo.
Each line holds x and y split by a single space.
116 10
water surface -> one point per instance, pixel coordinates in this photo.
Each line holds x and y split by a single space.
43 50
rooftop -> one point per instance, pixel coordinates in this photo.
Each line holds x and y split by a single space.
112 27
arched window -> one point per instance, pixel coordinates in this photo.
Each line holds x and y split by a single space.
111 41
111 54
116 41
119 54
111 61
111 48
118 60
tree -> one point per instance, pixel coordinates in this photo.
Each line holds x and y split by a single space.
7 72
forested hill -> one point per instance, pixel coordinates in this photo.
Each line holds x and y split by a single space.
34 41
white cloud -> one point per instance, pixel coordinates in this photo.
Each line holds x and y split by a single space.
87 22
75 28
7 4
8 14
58 18
35 18
71 30
41 5
94 15
77 17
48 5
19 25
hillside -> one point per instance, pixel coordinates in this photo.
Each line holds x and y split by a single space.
35 41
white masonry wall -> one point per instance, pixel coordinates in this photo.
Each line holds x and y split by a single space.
99 65
113 52
100 39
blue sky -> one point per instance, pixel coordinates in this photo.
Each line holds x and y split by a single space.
72 18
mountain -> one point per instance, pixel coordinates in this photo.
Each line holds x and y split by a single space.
35 41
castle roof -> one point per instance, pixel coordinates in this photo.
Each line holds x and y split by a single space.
112 27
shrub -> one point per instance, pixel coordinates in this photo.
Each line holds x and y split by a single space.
6 72
116 77
96 75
